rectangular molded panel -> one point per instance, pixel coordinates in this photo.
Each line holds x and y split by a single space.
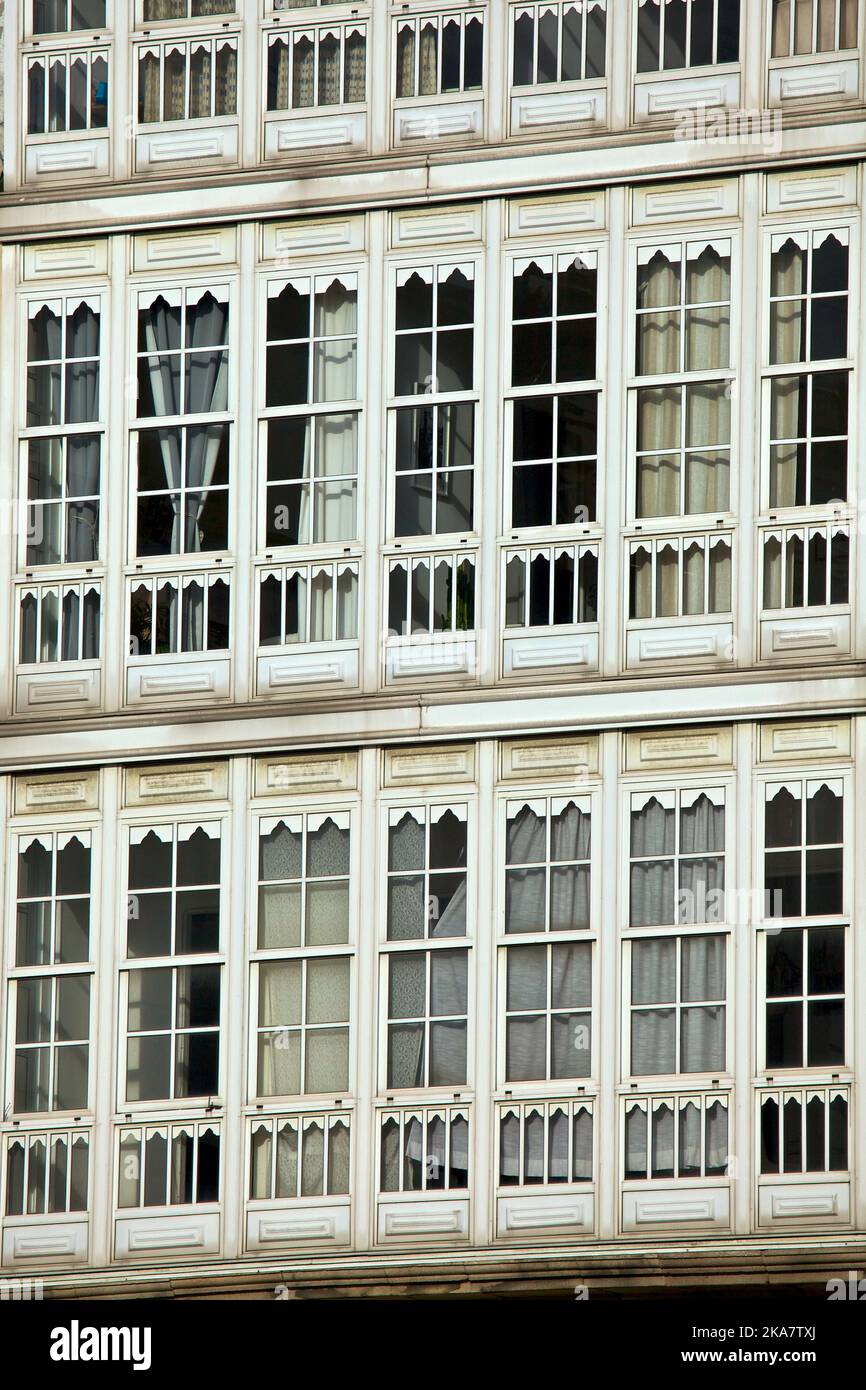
158 682
408 659
69 158
659 99
545 1214
539 110
290 139
781 1204
829 82
672 644
35 1241
421 1220
656 1206
210 145
446 121
808 637
577 651
303 1225
60 689
195 1233
316 666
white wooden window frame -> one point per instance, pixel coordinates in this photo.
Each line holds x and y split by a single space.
803 782
831 1070
327 1119
675 1101
661 70
179 820
442 16
538 8
50 1135
803 1094
172 1128
677 1080
160 47
316 31
68 56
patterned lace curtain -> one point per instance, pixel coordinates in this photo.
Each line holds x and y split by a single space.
428 60
278 75
226 95
200 65
206 7
303 71
174 73
148 86
164 9
329 69
355 79
406 60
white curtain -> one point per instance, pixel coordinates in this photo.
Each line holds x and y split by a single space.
652 883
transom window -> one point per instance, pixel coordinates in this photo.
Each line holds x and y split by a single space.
677 1005
440 53
558 42
545 1142
173 917
182 469
308 603
426 872
803 857
187 80
804 1131
324 66
168 1165
547 857
434 443
683 427
554 435
809 273
299 1156
178 613
676 1137
67 91
303 1000
424 1150
551 587
52 1010
431 593
805 997
680 576
47 1172
311 449
686 33
813 26
60 16
677 857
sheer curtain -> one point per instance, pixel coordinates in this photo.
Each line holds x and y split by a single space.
653 832
303 71
702 1039
702 833
428 60
406 60
355 80
278 74
279 1007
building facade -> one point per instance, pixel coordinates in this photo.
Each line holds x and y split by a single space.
432 868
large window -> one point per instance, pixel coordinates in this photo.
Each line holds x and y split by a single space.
558 42
677 1009
67 91
187 80
51 986
173 979
440 53
683 336
63 446
303 974
312 424
59 16
686 33
325 66
434 442
803 856
802 27
808 444
183 463
427 985
554 430
677 857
